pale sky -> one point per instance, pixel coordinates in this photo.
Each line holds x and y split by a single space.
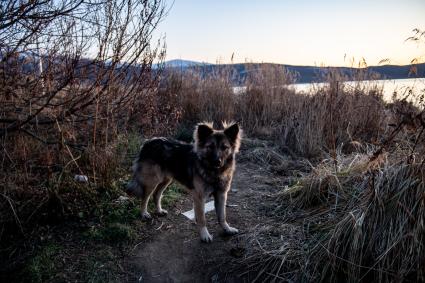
302 32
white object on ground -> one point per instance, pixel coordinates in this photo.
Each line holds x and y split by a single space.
121 199
209 206
231 205
81 178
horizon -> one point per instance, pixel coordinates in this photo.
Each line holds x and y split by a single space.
283 64
306 33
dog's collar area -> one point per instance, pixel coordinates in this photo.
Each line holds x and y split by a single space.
203 165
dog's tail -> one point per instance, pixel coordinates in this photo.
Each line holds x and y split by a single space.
135 187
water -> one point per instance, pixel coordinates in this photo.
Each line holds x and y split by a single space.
391 89
401 88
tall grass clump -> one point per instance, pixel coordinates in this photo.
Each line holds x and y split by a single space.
382 237
201 97
263 105
363 223
356 217
358 214
268 107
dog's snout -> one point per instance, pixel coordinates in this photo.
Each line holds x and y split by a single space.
217 162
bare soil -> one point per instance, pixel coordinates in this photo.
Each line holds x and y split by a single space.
166 249
174 252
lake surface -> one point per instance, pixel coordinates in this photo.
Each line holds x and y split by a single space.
390 88
413 88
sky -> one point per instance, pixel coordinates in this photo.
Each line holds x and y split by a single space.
301 32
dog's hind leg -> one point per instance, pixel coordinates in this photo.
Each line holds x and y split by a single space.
150 177
157 196
147 192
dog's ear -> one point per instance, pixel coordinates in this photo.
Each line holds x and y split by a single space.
202 132
233 133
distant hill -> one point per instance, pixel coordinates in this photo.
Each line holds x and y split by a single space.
309 74
304 74
178 63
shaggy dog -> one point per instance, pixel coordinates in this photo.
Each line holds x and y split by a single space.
205 168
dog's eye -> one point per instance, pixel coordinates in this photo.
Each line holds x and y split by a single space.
224 147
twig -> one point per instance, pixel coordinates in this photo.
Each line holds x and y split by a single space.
14 212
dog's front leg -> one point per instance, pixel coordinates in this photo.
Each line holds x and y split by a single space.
220 199
199 207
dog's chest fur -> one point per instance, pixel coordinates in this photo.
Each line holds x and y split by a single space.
216 180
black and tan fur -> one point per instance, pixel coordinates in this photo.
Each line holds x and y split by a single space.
205 168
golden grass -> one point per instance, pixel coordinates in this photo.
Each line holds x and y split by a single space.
351 223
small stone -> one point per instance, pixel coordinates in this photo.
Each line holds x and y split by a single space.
81 178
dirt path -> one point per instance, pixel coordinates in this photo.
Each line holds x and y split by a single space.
175 253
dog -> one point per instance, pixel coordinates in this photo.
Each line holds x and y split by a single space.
204 167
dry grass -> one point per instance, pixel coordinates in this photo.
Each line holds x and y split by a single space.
307 124
381 238
201 98
356 222
358 214
343 213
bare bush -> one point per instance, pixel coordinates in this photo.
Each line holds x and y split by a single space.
74 76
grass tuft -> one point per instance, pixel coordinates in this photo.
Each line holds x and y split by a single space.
44 265
346 223
113 233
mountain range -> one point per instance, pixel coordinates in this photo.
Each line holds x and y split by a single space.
305 74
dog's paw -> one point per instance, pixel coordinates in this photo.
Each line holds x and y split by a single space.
231 231
162 212
206 236
146 216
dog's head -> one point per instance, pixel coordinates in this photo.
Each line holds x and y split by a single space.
216 148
